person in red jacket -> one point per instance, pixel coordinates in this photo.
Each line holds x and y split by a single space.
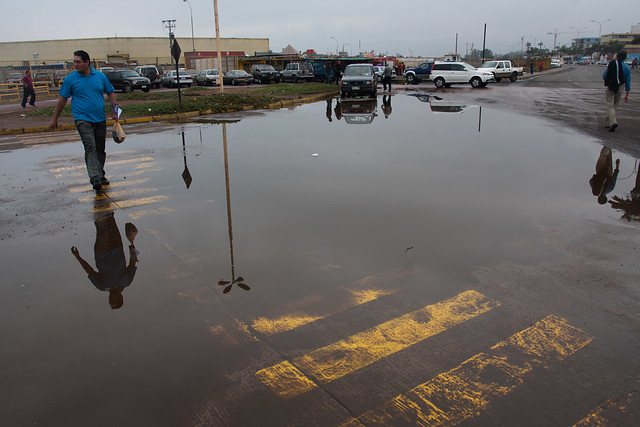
27 90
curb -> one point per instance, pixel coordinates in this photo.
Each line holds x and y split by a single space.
178 116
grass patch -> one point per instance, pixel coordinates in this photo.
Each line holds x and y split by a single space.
191 101
295 89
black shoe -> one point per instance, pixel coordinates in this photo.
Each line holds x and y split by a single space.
104 181
97 184
613 127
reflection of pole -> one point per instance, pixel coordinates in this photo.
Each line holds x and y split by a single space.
226 179
479 118
220 79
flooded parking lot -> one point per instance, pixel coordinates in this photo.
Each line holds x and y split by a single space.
348 261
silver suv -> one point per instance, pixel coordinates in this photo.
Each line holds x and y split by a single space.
297 71
151 72
444 74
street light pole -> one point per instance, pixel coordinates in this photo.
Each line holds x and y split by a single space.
337 48
193 43
575 49
600 34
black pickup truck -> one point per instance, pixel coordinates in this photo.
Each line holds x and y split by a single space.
128 80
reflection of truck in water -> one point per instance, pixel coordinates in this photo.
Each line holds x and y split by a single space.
439 104
358 111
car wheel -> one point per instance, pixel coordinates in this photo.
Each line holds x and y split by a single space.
514 77
439 82
234 82
411 79
276 81
126 88
294 78
475 82
498 79
146 89
189 85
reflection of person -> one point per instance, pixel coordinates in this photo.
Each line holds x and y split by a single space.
86 88
629 205
338 110
328 112
386 77
604 180
386 106
616 74
27 90
113 274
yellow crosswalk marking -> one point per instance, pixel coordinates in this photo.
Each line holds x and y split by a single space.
346 356
619 411
463 392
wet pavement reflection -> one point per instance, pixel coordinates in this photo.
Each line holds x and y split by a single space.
347 214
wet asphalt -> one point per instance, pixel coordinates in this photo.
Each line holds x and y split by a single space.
426 257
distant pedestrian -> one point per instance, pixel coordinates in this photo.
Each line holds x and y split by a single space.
634 64
531 67
541 65
86 88
617 74
27 90
328 70
386 77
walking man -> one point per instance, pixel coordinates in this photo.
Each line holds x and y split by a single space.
27 90
86 88
617 74
386 78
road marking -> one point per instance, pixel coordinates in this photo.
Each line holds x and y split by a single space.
619 411
463 392
289 322
334 361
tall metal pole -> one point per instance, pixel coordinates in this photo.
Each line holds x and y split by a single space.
484 39
220 79
193 43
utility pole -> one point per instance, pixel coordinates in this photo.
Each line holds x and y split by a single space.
215 13
170 24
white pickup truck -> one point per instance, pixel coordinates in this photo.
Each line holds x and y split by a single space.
502 69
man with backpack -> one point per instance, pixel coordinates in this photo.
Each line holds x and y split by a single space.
617 74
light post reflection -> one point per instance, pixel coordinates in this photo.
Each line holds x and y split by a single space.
239 280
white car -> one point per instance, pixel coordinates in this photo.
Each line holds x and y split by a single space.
171 79
556 63
447 73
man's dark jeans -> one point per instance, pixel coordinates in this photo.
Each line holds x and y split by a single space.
25 94
93 138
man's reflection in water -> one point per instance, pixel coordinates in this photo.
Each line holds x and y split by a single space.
604 180
113 274
386 106
338 110
328 113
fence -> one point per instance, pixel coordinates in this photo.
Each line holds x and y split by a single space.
13 91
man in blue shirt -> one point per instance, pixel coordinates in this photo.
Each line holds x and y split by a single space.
86 88
617 74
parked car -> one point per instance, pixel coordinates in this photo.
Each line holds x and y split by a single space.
207 78
237 77
264 73
14 78
152 73
295 71
128 80
170 79
421 72
445 74
105 69
379 69
359 79
41 77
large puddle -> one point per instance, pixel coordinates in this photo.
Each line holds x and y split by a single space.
255 226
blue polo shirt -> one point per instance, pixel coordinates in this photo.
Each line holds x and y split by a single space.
86 93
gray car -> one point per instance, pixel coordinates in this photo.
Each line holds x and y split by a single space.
208 77
359 79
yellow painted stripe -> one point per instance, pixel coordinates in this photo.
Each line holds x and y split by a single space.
618 411
346 356
463 392
289 322
286 380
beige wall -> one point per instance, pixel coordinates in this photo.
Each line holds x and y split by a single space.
135 47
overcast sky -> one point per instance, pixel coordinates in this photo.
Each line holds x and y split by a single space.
406 27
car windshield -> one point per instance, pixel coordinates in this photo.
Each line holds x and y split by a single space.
184 74
130 73
358 71
212 72
489 64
